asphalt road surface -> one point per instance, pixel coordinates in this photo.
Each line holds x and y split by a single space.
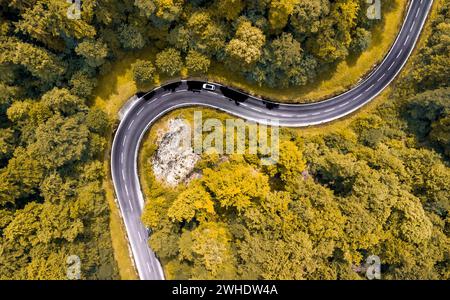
151 106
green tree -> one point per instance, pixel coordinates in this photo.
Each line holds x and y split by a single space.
208 247
25 171
266 258
279 12
47 22
230 9
440 133
61 101
60 141
246 47
97 121
94 51
9 192
7 140
7 94
195 202
430 69
307 14
284 64
197 62
143 72
291 163
82 83
361 40
236 185
286 52
39 62
169 61
204 33
168 10
146 7
130 37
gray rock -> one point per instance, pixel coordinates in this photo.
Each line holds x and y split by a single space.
175 159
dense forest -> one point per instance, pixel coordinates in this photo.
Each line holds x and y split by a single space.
53 141
271 42
377 187
52 205
275 43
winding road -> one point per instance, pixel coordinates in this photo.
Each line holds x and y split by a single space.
147 108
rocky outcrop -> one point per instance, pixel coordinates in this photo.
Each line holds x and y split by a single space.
175 159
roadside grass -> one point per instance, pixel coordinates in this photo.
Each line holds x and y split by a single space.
426 32
119 239
343 125
113 90
118 235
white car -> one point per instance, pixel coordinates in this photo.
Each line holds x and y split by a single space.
209 87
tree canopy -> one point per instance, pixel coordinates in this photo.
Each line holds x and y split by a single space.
378 186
